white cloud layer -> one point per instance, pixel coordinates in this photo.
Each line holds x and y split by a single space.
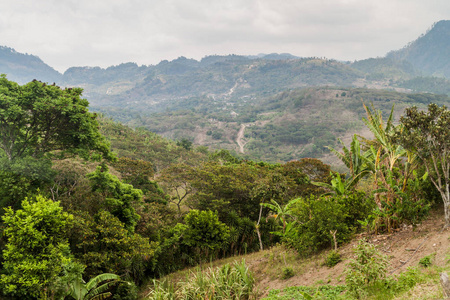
65 33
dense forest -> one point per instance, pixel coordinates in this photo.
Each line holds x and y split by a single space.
92 208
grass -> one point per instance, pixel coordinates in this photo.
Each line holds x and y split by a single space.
267 266
306 292
229 282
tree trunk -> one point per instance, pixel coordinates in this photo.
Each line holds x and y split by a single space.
257 228
446 199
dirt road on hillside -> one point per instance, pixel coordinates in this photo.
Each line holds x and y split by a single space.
239 138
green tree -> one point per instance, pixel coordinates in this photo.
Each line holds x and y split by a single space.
205 232
37 249
36 118
105 246
428 135
119 197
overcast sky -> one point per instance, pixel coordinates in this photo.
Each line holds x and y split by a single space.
66 33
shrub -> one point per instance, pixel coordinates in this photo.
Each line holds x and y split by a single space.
333 258
318 216
287 273
126 291
425 261
368 268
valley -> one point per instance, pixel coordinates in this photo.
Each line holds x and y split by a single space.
232 177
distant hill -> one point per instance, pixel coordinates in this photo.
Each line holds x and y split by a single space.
289 125
274 107
382 67
274 56
430 53
23 68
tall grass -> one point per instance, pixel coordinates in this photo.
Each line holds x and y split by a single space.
229 282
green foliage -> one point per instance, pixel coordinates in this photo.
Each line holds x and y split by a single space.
318 217
426 261
104 245
427 134
126 291
368 268
138 173
332 259
96 288
306 292
205 232
22 178
226 188
185 143
142 144
387 288
37 251
162 290
119 197
229 282
287 273
37 118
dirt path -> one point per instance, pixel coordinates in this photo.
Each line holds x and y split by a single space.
239 138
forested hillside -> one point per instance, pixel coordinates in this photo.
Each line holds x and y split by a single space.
91 203
213 159
430 52
290 125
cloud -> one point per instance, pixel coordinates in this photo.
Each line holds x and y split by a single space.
99 32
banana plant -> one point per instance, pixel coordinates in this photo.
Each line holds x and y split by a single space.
95 289
337 186
357 162
281 212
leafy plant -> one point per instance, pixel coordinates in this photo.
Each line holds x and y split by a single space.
368 267
37 251
229 282
287 273
425 261
96 288
333 258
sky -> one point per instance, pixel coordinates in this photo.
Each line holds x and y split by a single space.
68 33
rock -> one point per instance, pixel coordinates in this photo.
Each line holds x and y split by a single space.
445 282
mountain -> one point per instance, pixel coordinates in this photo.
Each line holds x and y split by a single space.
23 68
274 107
289 125
430 53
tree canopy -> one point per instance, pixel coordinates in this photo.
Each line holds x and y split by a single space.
428 135
37 118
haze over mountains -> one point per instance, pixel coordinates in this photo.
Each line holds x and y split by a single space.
208 101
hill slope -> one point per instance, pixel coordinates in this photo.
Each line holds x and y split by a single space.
23 68
430 53
290 125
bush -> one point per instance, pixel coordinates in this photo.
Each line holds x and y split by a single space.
425 261
333 258
318 216
368 268
126 291
287 273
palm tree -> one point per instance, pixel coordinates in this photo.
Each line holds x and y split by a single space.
94 289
